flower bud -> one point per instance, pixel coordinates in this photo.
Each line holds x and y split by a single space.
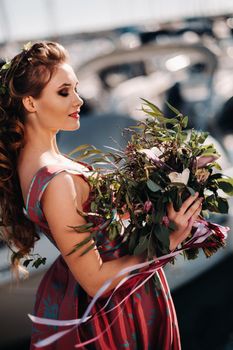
147 206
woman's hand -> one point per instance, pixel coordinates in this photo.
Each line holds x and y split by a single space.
183 219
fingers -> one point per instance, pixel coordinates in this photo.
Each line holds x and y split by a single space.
179 236
192 210
187 215
188 202
194 216
184 222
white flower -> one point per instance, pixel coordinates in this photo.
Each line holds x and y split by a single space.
157 152
152 153
180 177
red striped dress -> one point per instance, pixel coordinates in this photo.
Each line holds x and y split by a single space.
145 321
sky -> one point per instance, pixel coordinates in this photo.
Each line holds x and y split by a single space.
30 19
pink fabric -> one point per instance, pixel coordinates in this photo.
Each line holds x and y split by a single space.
148 320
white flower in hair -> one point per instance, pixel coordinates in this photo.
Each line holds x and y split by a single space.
180 177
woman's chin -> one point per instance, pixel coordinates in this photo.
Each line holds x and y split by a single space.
71 128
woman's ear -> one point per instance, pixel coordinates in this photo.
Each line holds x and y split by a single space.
28 104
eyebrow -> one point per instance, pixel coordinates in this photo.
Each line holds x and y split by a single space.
67 85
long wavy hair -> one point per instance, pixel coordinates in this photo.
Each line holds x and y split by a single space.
25 75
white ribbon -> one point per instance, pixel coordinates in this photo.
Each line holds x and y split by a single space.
202 232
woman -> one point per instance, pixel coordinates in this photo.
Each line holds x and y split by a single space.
40 187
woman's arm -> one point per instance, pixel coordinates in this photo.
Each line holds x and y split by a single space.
63 195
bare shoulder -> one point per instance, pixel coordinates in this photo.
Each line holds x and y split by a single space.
27 170
66 187
61 202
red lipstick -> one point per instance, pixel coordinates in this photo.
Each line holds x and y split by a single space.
74 115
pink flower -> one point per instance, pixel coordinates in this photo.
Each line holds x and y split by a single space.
203 160
147 206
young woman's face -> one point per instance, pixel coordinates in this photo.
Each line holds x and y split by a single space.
59 105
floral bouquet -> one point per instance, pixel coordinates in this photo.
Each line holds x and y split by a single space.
161 163
129 199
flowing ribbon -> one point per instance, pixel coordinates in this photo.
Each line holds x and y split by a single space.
203 231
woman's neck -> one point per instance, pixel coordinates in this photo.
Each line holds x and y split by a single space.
41 141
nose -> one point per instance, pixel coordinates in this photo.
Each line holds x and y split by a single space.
78 101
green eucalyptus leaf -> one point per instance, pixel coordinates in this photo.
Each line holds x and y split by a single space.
142 245
94 207
211 203
114 230
216 165
101 160
154 108
191 190
82 228
147 111
185 122
160 118
132 241
226 185
159 211
209 153
6 65
139 126
178 201
38 262
80 148
151 247
216 176
202 137
153 186
162 233
27 262
222 205
89 153
82 243
88 249
128 201
43 260
173 109
164 120
158 216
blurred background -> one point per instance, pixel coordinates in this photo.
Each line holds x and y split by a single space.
165 50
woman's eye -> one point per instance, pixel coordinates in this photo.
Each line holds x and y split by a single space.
63 93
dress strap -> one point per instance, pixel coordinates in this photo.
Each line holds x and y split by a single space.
38 185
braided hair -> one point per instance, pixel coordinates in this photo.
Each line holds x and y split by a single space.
25 75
